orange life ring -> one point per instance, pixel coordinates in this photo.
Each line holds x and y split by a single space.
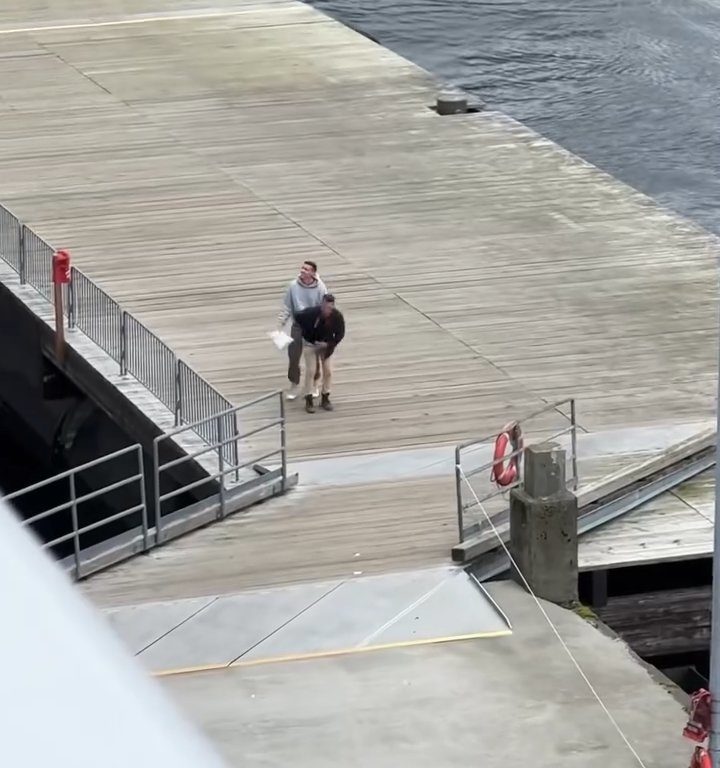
700 758
501 474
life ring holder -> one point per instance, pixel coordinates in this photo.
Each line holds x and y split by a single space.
501 473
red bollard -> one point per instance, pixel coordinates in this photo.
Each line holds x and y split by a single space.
60 277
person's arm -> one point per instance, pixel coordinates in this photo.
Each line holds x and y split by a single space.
338 335
286 310
304 318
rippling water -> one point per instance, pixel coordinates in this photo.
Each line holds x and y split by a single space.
631 86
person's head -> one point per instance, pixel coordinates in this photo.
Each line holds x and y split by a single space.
328 304
308 272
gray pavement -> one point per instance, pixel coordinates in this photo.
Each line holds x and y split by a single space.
302 620
511 700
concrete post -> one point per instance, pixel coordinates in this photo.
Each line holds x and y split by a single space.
543 526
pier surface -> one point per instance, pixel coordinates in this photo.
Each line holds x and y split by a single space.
515 697
190 158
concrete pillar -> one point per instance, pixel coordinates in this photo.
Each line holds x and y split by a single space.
543 526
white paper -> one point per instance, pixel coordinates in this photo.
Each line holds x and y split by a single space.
280 339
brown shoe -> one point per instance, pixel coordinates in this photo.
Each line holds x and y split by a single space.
309 405
325 403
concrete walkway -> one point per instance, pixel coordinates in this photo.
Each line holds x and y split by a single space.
355 615
514 700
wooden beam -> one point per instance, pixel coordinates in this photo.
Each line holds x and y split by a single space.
662 623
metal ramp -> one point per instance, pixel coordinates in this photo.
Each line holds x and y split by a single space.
303 621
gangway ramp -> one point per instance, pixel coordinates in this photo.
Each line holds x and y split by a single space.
303 621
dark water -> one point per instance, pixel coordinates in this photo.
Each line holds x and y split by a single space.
631 86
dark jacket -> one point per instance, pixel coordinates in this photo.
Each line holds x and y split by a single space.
315 327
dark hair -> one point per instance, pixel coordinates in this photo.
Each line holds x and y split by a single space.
311 264
329 298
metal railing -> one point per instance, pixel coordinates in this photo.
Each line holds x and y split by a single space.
198 404
72 505
36 261
151 362
136 349
219 439
469 523
181 498
10 233
97 315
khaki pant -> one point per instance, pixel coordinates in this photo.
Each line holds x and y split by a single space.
313 361
295 351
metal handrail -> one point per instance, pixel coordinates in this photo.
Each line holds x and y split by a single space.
461 507
225 467
136 349
231 409
77 531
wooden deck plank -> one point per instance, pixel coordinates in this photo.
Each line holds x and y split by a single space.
310 534
676 526
190 164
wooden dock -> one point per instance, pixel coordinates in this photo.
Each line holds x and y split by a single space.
191 159
676 526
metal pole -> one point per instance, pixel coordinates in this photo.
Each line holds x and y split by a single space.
143 500
22 262
236 448
573 443
71 303
178 392
123 345
459 496
59 324
283 442
221 465
714 747
75 525
156 483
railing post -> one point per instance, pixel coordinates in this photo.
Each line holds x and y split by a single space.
22 263
221 465
75 525
156 483
236 447
178 393
573 444
123 344
143 500
283 442
458 496
71 299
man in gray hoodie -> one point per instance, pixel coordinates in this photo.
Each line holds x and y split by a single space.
305 291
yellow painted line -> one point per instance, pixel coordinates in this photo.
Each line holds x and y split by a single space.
331 654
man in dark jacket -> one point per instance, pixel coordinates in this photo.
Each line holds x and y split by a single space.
323 328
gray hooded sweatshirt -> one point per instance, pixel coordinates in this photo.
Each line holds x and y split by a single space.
300 296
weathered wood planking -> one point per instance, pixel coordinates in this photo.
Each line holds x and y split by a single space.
191 163
662 623
675 526
310 534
